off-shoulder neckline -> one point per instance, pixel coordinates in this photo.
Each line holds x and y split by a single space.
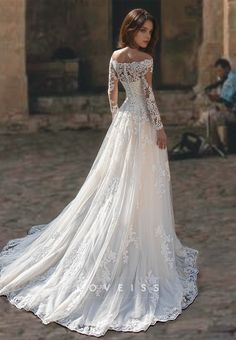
131 62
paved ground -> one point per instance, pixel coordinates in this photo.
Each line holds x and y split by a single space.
41 173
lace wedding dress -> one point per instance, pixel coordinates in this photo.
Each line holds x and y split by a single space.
111 259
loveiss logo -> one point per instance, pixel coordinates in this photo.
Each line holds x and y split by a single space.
142 287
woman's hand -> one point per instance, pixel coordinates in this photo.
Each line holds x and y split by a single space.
161 139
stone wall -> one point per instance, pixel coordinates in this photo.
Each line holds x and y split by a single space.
181 23
92 111
13 82
232 31
219 28
80 25
86 27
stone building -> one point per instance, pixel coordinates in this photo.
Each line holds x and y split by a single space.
55 53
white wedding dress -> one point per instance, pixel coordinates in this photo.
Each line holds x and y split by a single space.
111 259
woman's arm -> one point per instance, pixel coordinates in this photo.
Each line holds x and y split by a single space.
112 89
150 98
152 106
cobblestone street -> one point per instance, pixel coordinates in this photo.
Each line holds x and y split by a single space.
40 173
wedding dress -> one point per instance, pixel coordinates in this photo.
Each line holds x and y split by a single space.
111 259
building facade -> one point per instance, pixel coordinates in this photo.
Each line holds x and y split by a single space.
55 54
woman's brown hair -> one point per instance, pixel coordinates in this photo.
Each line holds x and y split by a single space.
132 22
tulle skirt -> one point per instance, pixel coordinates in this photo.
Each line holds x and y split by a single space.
111 259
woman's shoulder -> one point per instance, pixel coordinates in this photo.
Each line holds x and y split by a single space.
145 55
117 53
138 56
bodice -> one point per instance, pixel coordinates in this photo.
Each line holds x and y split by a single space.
135 77
131 76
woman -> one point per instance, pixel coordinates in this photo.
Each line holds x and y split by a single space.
111 258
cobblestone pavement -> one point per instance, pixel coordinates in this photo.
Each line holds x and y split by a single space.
42 172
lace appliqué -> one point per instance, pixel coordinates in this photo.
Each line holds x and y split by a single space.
151 101
103 275
150 283
74 259
135 325
161 174
132 238
131 73
136 116
152 107
109 193
112 89
133 70
109 257
167 167
190 270
167 247
145 140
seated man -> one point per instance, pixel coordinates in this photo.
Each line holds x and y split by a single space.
223 95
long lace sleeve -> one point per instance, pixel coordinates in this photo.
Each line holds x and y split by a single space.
112 89
150 98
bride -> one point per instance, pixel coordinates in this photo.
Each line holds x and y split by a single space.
111 259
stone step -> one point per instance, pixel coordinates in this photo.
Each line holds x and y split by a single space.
92 111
